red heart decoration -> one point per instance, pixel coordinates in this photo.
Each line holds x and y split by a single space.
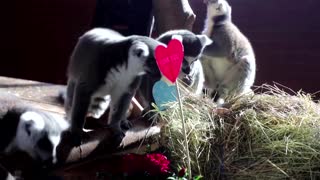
169 59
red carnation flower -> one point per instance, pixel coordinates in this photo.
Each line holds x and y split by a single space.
159 164
153 164
182 172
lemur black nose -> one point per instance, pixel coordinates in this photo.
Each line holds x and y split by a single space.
185 67
48 162
186 70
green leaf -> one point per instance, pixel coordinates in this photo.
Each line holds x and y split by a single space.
171 178
198 177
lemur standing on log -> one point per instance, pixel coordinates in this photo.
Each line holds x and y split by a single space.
106 70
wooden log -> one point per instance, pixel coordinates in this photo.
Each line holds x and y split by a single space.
172 14
99 143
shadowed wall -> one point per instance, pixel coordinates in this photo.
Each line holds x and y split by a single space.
285 35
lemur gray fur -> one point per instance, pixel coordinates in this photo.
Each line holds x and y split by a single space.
229 62
107 69
24 128
191 72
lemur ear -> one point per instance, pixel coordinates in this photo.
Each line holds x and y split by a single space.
32 121
205 40
178 37
140 49
27 127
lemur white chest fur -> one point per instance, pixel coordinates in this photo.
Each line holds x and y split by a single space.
219 65
229 62
117 81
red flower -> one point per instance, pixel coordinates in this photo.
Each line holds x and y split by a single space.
182 172
158 164
153 164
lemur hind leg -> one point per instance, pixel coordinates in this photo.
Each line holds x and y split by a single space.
80 104
120 106
69 98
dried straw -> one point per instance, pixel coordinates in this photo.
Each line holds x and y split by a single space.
269 135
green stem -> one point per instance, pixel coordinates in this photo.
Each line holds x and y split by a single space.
184 132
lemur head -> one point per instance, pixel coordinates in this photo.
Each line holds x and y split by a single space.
38 134
143 48
218 8
137 56
193 45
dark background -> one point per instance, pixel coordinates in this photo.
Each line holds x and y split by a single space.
39 35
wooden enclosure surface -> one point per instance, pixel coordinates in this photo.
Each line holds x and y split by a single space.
98 145
38 94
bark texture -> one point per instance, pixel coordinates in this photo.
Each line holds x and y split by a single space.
172 14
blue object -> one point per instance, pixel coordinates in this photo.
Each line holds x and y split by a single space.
164 93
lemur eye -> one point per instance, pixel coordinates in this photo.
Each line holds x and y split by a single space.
189 59
27 128
45 144
194 60
139 52
219 7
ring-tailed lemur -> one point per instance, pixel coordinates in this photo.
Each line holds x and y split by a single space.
229 62
105 70
29 130
191 72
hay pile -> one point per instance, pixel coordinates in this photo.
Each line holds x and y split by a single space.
272 135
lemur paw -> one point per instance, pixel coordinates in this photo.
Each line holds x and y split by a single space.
116 129
126 124
117 135
77 137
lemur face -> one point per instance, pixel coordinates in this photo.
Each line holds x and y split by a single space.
217 7
198 44
34 138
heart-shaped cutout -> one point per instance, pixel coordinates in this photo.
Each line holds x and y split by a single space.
163 93
169 59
